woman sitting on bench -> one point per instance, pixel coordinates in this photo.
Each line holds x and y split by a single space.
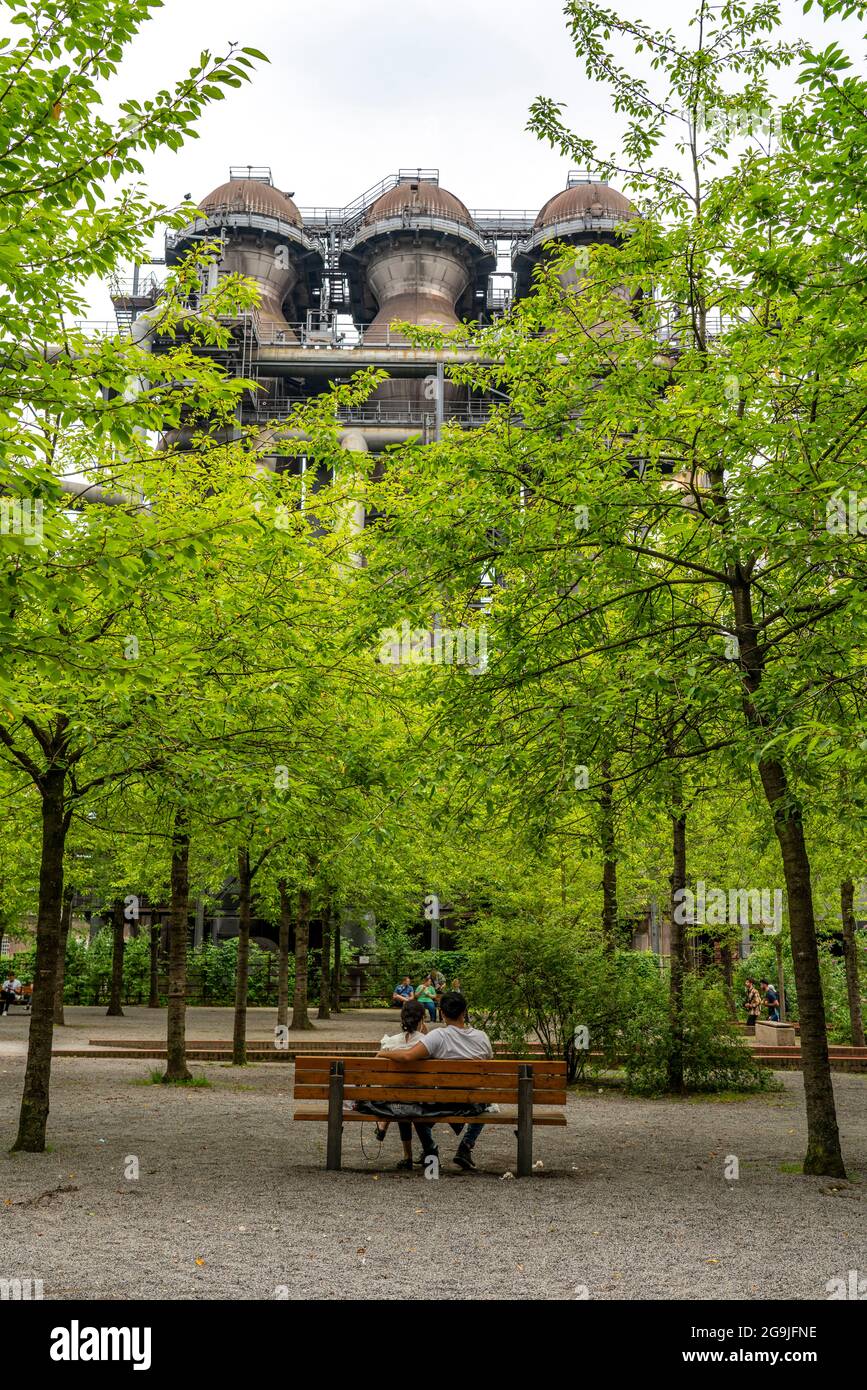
412 1022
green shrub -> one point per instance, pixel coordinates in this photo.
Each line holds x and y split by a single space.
546 981
716 1057
836 997
211 970
136 970
550 981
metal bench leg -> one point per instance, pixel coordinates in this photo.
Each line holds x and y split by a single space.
335 1116
525 1121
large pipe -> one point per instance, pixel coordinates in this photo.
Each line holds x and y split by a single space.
355 442
371 440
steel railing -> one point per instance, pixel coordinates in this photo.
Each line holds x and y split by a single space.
674 325
393 412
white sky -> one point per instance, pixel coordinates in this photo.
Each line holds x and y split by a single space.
356 90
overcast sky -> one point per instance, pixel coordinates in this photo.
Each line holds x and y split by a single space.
356 90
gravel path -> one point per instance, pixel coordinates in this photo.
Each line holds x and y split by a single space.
233 1201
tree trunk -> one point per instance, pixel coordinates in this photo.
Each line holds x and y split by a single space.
239 1036
300 1017
781 980
65 923
176 1021
33 1117
677 960
850 956
154 993
824 1156
325 965
335 978
283 957
609 863
115 1009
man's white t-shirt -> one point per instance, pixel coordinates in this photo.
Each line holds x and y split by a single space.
454 1043
12 986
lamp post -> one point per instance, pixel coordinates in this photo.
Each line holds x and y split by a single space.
432 915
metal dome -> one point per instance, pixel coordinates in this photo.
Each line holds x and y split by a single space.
418 198
596 200
251 196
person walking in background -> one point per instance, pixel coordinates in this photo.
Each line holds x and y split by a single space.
772 1000
753 1002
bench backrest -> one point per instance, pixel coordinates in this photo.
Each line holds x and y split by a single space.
461 1083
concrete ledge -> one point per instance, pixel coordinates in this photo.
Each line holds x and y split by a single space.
774 1034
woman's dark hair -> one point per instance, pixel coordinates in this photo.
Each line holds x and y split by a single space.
411 1016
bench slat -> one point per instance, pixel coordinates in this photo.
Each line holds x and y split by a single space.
363 1069
430 1076
497 1064
462 1095
353 1116
427 1076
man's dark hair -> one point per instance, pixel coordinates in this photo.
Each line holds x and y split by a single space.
763 982
453 1004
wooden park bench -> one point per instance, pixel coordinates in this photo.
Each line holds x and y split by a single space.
523 1084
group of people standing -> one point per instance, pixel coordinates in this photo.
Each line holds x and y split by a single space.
754 1000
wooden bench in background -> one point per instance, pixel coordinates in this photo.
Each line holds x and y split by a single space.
523 1084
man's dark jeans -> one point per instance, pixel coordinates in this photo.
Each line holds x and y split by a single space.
471 1134
424 1132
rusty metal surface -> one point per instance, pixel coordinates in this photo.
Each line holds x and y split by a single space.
597 200
251 195
412 198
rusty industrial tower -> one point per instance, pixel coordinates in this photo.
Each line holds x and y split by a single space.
334 280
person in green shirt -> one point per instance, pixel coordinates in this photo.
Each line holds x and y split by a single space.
427 996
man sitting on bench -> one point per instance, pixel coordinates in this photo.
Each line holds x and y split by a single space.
455 1041
10 992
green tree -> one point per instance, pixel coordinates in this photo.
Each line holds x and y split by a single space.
65 407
